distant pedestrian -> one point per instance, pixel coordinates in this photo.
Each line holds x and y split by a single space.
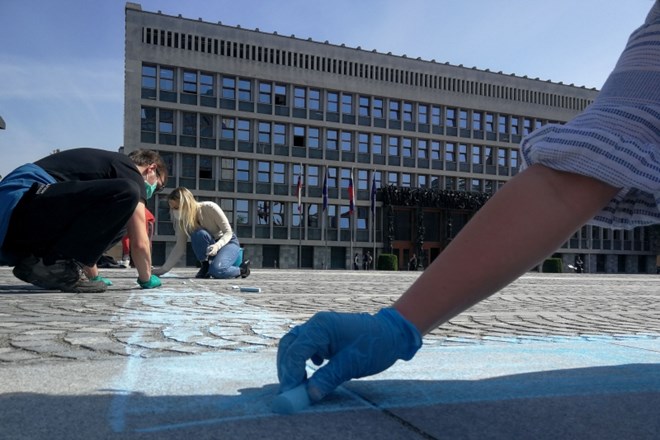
579 264
367 259
356 262
412 263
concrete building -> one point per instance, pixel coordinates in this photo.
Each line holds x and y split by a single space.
241 116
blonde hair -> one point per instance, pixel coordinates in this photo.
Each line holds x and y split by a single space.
187 209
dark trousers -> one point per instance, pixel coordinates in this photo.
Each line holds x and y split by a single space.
77 220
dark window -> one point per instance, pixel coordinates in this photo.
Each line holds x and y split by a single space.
149 77
189 81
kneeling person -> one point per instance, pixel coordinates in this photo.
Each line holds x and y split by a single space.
213 241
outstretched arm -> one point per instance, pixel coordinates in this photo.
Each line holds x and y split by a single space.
528 219
177 252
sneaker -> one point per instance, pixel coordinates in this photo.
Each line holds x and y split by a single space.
245 269
85 286
33 270
64 275
125 263
204 271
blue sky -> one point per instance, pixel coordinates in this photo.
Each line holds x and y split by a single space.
61 62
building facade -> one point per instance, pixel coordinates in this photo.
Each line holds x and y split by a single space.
318 152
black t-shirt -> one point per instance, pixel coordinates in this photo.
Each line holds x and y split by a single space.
91 164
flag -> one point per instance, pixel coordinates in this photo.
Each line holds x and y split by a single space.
351 194
373 193
299 191
325 189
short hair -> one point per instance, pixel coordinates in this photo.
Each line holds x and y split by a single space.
148 157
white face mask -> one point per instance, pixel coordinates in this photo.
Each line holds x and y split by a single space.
175 215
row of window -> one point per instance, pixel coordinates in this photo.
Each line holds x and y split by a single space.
242 212
336 66
239 175
161 81
194 128
283 215
589 233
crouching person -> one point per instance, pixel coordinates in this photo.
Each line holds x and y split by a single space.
59 214
213 241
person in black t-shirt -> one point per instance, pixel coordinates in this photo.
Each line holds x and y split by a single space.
59 214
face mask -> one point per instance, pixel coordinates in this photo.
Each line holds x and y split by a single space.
175 215
150 188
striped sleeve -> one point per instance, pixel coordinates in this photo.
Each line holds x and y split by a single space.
617 138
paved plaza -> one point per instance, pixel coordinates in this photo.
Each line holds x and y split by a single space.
551 356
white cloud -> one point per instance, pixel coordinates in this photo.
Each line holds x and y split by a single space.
26 78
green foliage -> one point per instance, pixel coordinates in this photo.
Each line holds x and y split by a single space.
553 265
388 262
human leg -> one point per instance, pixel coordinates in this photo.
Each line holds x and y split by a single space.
200 240
222 265
125 252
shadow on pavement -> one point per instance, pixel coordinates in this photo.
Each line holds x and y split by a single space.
614 402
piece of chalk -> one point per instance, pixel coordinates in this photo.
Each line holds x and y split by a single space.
292 401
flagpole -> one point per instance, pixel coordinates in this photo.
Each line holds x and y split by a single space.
325 237
302 217
326 258
350 214
373 214
373 226
350 230
324 224
323 233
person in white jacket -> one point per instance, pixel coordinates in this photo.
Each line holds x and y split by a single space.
213 241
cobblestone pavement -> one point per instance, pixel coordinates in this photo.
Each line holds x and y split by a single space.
189 316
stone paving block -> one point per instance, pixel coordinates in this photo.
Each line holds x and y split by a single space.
13 355
538 306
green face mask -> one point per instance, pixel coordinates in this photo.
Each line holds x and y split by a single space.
150 188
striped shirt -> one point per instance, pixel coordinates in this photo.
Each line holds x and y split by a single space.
617 138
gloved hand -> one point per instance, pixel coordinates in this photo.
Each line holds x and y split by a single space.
357 345
153 282
212 250
100 278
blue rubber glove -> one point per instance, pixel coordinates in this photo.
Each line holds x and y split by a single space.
153 282
357 345
100 278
